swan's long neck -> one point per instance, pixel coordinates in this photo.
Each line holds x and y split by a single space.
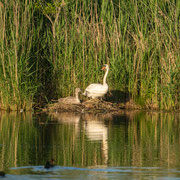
105 76
77 96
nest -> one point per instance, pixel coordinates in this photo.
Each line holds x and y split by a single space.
93 105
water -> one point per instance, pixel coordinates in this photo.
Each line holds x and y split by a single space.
127 145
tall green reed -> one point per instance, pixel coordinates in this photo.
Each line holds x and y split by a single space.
17 86
63 44
140 41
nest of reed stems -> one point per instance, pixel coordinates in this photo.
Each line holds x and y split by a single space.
93 105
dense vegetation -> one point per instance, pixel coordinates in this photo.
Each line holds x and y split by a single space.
47 48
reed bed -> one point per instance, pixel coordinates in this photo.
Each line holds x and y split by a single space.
48 49
16 37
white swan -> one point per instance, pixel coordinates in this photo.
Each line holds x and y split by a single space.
98 90
70 99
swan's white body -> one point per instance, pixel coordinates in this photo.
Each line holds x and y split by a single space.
98 90
71 99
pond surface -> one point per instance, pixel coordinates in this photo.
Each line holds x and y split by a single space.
127 145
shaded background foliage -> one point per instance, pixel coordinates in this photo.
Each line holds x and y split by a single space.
47 48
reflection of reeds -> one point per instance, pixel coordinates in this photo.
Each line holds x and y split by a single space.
16 133
141 139
152 139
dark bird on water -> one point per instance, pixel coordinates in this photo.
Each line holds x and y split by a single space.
49 164
2 173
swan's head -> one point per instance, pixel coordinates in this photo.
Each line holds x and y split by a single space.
77 90
105 67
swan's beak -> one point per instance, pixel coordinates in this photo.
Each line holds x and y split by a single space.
103 68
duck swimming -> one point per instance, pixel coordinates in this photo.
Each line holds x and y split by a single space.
2 174
49 164
71 99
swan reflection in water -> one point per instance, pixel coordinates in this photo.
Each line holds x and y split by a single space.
96 130
93 125
68 118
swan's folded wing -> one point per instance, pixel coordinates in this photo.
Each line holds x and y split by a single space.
96 88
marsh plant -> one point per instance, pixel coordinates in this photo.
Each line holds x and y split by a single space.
47 48
16 38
